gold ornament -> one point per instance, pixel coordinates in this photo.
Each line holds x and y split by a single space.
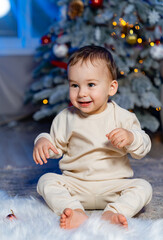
76 9
131 38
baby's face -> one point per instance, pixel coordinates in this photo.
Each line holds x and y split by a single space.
90 86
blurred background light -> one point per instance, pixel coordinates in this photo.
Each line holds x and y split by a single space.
4 7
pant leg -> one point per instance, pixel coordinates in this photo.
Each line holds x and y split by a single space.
55 190
132 196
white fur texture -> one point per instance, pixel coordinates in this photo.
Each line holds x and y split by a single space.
35 221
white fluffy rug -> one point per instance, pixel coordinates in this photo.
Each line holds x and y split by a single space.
35 221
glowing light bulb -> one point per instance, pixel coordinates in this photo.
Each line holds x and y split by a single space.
135 70
158 109
131 31
113 33
121 72
114 23
139 40
45 101
123 22
140 61
4 7
123 35
137 27
152 44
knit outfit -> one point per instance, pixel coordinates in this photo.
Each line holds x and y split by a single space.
95 174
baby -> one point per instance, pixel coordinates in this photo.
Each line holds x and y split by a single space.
93 137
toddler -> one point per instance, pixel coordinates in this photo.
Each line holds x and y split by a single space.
93 137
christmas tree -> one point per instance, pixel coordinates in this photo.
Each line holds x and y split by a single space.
131 30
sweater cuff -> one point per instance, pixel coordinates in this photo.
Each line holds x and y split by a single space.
133 146
45 135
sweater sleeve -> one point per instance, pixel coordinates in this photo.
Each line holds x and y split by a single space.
56 136
142 143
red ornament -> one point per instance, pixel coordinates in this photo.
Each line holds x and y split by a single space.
96 3
45 40
59 64
157 42
11 216
70 104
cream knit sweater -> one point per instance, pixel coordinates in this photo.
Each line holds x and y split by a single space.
87 153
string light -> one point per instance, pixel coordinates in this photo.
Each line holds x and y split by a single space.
158 109
45 101
123 22
139 40
123 35
113 33
114 23
152 44
140 61
135 70
121 72
137 27
131 31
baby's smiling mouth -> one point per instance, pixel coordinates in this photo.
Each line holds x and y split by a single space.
84 103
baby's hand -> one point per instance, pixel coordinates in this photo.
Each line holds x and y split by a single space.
120 137
40 151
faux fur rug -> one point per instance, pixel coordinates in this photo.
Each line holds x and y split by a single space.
35 221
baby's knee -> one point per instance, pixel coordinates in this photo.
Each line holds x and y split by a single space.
146 188
45 180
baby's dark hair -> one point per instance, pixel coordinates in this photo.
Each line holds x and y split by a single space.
92 53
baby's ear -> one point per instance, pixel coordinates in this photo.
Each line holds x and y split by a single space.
113 88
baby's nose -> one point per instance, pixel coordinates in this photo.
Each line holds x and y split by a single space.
83 92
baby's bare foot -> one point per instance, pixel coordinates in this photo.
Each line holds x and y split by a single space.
115 218
72 218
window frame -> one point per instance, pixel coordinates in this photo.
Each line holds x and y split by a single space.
24 43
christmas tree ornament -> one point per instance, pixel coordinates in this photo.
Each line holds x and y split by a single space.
11 216
157 42
76 8
46 39
96 3
131 38
59 64
70 104
153 17
60 50
157 52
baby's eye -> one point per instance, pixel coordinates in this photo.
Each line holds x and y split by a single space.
91 84
74 85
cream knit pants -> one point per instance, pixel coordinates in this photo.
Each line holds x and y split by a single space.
125 196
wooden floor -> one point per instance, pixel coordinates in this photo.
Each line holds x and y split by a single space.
19 174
